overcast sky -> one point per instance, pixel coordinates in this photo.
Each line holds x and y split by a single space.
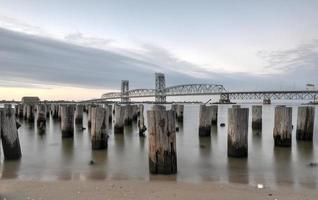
80 49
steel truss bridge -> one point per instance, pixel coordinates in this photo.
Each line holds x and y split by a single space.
178 90
215 90
161 92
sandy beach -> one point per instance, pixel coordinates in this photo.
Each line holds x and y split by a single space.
139 190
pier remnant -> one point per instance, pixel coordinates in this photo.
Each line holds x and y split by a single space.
305 123
205 120
178 108
109 108
79 114
30 113
128 116
20 111
162 141
41 116
257 117
141 121
9 134
119 118
237 145
54 111
67 120
214 119
99 127
283 126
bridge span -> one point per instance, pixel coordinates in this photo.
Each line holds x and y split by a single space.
161 92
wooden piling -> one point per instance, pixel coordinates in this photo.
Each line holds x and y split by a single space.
20 111
283 126
47 110
257 117
214 119
205 120
99 128
237 132
162 141
305 123
141 121
41 116
67 120
128 116
79 114
30 113
109 111
179 109
54 111
89 115
9 134
119 119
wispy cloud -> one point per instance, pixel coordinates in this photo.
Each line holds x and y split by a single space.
303 57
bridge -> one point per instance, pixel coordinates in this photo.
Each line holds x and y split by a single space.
161 92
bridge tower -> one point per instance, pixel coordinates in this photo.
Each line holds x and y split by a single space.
124 91
160 87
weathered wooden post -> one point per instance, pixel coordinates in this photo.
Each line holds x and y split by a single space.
30 113
79 114
54 111
178 108
99 128
20 111
119 118
237 132
283 126
9 134
25 111
141 121
67 120
109 108
305 123
257 117
89 115
135 110
47 110
162 141
59 111
41 116
128 116
205 120
214 109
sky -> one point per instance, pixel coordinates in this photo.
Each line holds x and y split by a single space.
76 50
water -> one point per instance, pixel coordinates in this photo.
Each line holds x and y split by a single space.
49 157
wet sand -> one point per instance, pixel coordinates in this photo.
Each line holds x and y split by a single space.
139 190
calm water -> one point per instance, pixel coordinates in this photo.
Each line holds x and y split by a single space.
49 157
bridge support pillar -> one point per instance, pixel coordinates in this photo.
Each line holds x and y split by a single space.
267 101
160 88
224 99
124 91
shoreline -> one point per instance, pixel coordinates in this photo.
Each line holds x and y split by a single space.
138 190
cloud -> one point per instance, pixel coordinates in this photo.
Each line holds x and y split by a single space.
33 61
80 39
303 57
